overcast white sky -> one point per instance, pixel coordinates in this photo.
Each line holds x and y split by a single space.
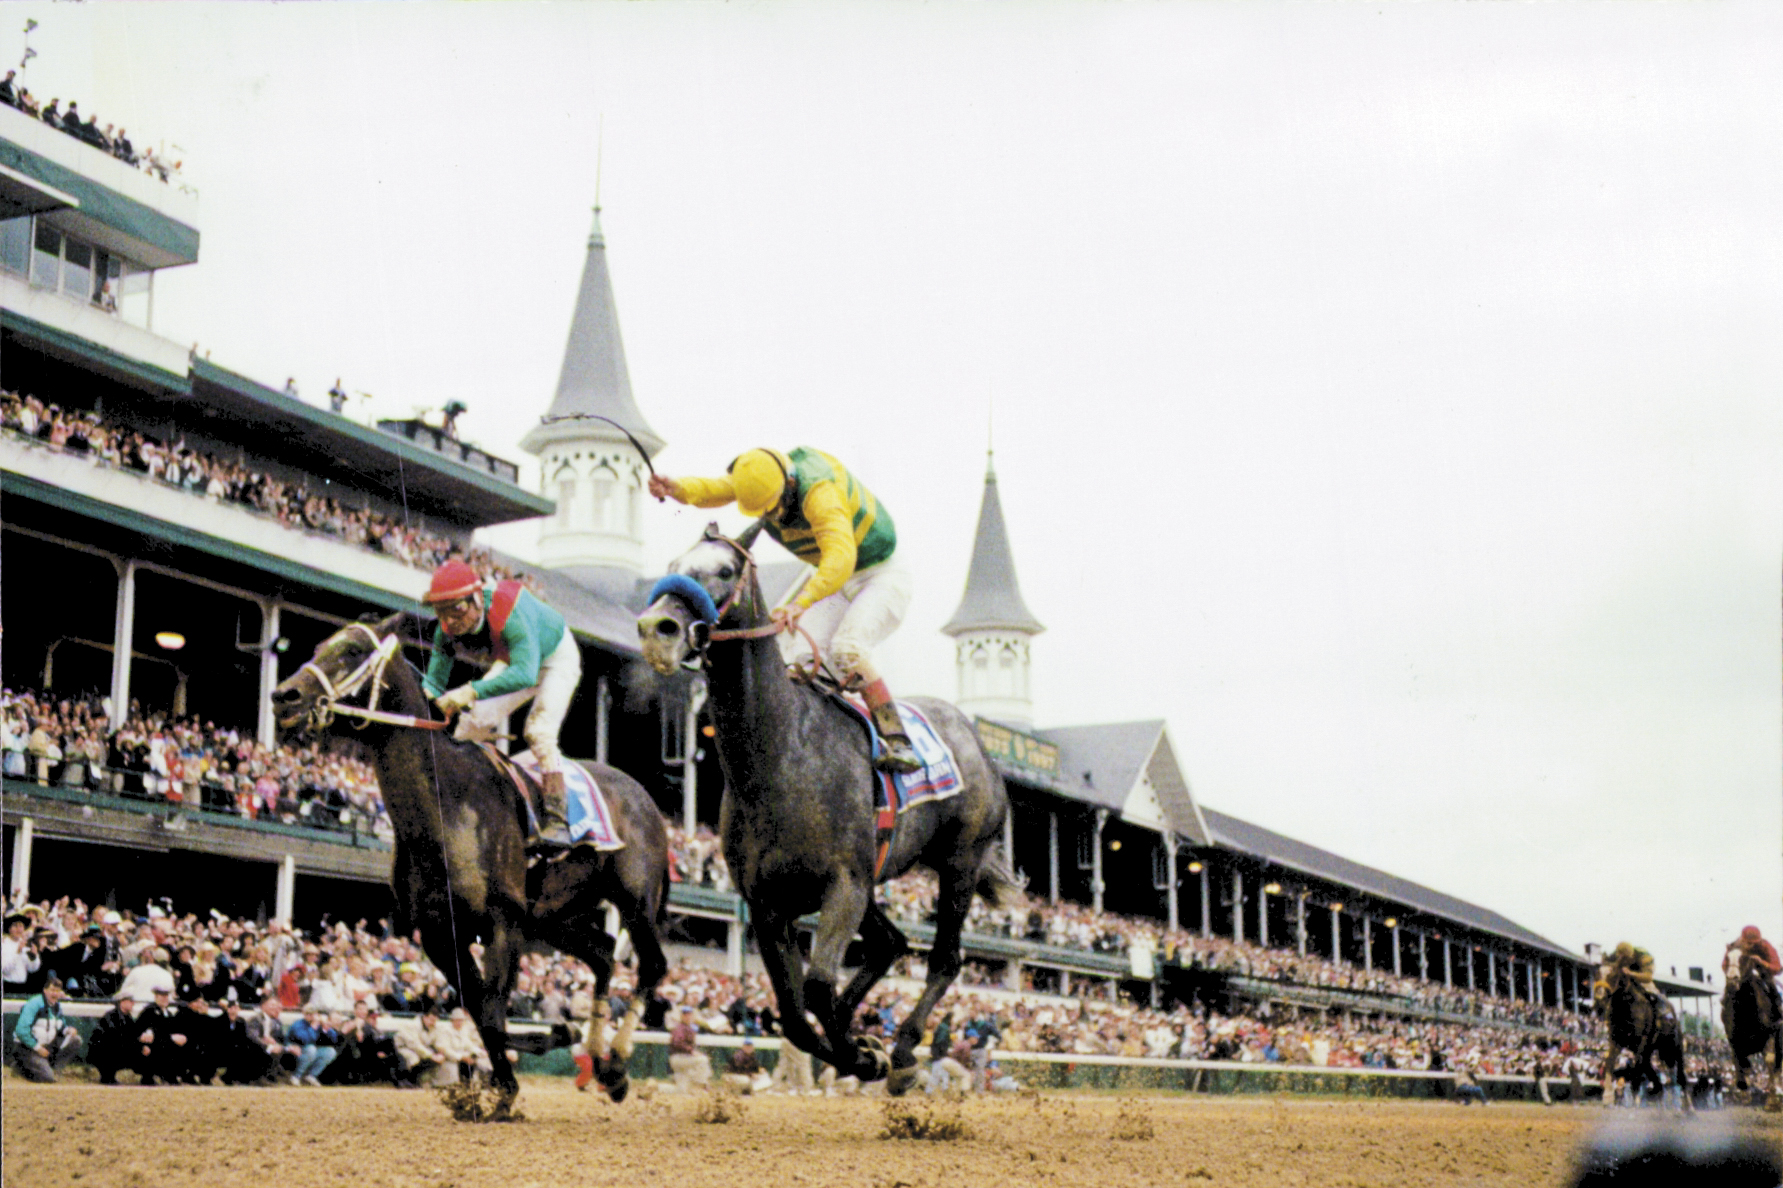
1387 396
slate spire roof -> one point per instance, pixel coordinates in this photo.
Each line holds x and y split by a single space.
594 378
993 597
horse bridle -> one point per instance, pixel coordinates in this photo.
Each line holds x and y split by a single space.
370 671
712 634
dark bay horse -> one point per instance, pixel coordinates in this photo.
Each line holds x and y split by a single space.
460 870
1751 1019
797 820
1642 1029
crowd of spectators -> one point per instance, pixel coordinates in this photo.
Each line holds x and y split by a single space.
111 139
292 504
184 761
205 974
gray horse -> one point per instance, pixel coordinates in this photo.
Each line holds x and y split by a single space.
797 821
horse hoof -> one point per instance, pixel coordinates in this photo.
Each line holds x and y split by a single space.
615 1078
901 1081
870 1061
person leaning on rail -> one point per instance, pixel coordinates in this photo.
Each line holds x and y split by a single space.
824 516
536 660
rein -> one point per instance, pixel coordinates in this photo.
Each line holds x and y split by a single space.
370 671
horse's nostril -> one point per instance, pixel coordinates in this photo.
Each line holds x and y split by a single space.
667 628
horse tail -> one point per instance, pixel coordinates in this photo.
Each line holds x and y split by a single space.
998 884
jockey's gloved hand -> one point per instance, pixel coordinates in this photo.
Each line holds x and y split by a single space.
786 617
454 700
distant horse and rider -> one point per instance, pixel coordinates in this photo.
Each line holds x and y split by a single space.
1751 1012
1640 1022
461 874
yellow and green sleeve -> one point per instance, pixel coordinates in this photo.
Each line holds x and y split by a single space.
833 529
706 492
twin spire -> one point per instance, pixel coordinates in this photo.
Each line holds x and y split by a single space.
594 378
993 598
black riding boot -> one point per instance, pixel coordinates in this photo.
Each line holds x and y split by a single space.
554 824
896 755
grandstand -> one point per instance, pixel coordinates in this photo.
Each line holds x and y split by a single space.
179 537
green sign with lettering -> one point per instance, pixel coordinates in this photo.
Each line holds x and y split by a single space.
1021 750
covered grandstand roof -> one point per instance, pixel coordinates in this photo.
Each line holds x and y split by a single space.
1234 834
323 441
1129 768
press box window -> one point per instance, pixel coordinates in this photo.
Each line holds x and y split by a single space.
15 245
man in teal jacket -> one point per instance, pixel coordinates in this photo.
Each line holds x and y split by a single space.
42 1039
535 659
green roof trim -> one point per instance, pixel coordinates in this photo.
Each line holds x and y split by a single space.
407 451
110 513
105 205
133 370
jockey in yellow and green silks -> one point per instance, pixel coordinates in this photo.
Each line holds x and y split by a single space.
859 592
1636 964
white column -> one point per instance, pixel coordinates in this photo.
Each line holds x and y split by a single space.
1448 966
1337 936
1492 973
1052 856
1423 956
285 901
690 779
1096 884
21 861
1367 941
1206 905
123 635
1170 878
1394 933
733 949
1237 905
1009 832
1263 914
1300 922
269 673
603 710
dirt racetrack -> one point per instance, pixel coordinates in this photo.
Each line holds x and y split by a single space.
83 1134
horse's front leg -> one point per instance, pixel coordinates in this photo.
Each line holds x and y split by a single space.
1610 1092
487 1000
945 960
844 907
785 968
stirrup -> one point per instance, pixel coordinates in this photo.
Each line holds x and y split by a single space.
898 756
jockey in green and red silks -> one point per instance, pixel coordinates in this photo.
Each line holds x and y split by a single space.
536 659
1751 945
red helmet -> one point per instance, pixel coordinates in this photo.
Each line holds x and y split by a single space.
452 581
1750 933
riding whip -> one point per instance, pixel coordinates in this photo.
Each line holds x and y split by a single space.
586 416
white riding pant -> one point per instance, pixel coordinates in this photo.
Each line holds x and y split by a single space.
559 674
850 623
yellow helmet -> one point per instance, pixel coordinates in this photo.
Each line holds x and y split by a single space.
1623 952
759 478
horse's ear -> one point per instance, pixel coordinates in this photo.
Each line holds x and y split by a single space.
746 538
712 532
390 624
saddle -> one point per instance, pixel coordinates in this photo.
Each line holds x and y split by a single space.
523 784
